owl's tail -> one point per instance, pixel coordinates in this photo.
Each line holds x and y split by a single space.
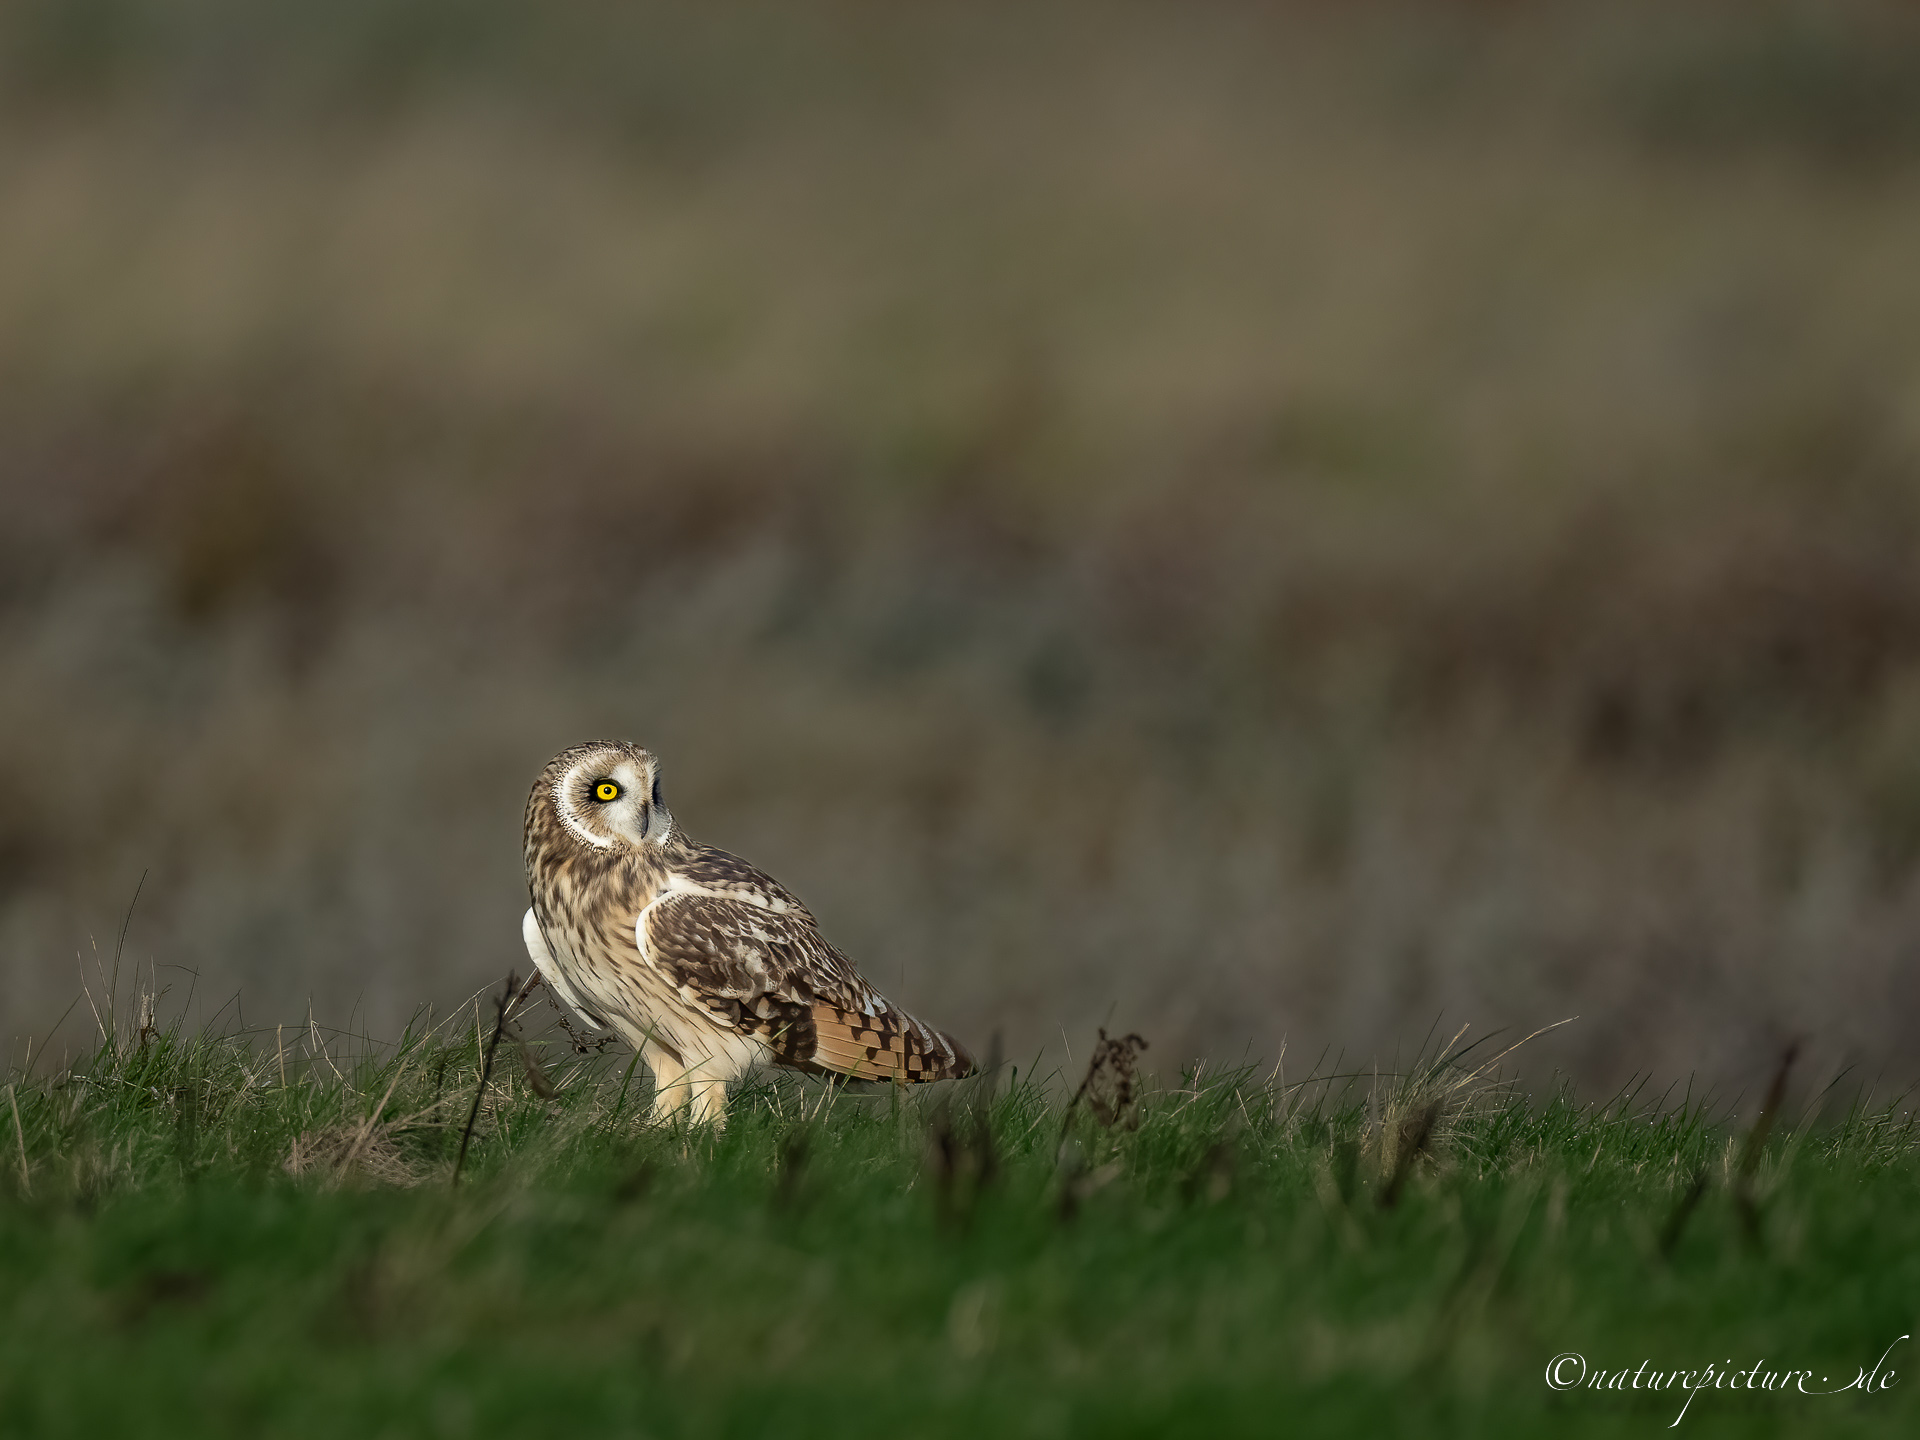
890 1045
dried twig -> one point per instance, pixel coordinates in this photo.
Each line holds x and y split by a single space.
1745 1201
1213 1176
537 1078
1683 1212
962 1159
486 1069
586 1044
795 1147
1109 1085
1416 1137
520 995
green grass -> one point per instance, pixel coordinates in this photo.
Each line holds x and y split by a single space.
917 1264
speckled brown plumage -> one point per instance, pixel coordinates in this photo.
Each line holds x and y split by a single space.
701 962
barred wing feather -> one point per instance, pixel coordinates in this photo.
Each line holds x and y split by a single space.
769 973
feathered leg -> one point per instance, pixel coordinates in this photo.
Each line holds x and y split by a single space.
697 1090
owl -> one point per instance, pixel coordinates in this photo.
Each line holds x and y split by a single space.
703 964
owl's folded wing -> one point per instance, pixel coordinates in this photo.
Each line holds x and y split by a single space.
771 974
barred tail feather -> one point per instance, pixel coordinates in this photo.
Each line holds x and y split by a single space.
888 1046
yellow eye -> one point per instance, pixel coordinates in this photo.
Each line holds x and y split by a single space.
606 790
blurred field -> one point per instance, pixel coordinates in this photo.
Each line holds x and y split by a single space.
1255 521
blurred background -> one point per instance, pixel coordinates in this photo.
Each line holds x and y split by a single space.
1246 522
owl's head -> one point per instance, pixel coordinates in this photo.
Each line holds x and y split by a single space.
605 794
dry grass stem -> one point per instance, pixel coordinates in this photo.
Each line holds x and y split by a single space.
347 1152
20 1137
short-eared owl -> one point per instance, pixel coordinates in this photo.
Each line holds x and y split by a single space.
702 963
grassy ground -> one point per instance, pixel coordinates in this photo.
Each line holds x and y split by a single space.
1233 1254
